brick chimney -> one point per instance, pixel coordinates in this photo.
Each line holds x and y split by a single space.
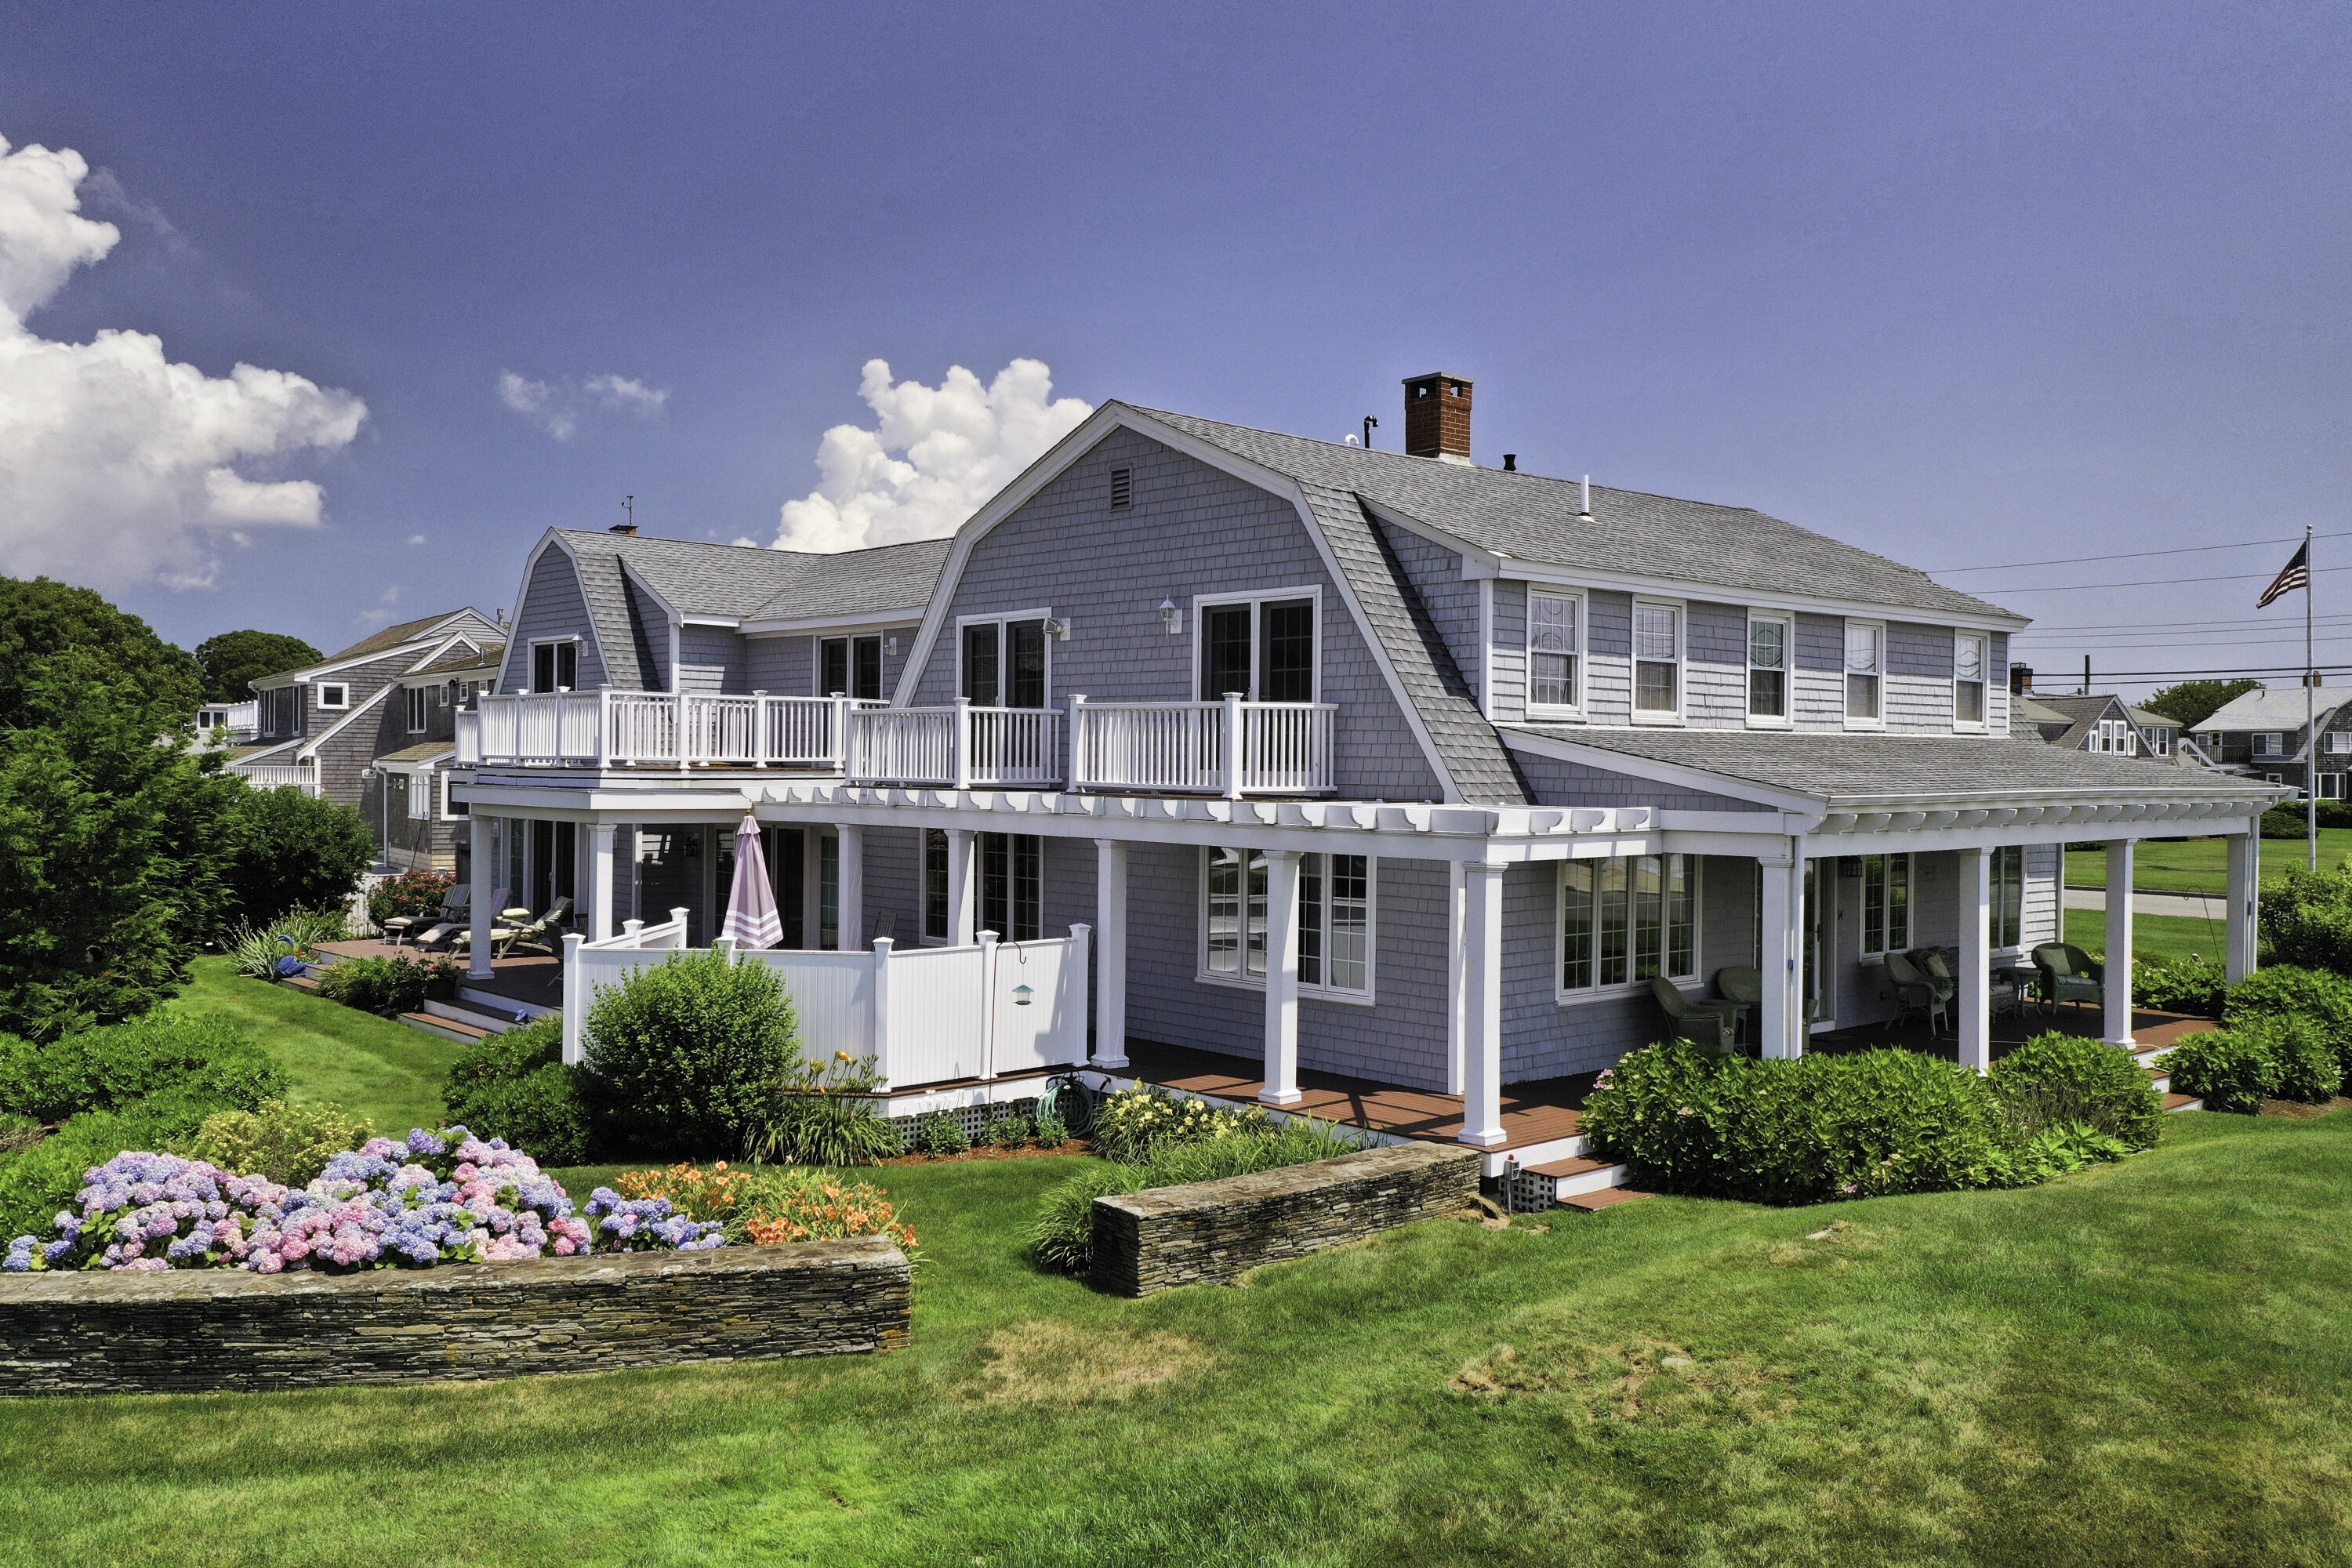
1437 417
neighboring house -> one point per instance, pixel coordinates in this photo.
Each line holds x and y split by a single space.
326 726
229 724
2262 735
2100 724
1382 764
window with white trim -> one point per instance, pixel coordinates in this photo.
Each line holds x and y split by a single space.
1969 656
850 667
334 694
1334 920
2005 920
1657 660
420 795
2339 743
1885 902
2159 742
2331 786
1003 663
2270 743
452 808
1012 884
1555 650
1865 672
420 710
1264 647
555 666
1769 640
1622 920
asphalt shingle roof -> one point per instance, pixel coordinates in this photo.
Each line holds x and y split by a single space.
1533 518
1835 766
463 657
749 582
2275 708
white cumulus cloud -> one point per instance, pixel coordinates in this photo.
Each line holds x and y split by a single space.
117 467
555 407
935 454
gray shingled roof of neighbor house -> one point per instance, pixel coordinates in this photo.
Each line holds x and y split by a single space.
2274 707
751 582
422 752
1536 519
463 657
1836 766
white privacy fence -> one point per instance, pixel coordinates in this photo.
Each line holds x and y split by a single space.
929 1014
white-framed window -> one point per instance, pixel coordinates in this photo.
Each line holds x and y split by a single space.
850 667
1657 661
1886 884
420 795
2005 921
1268 646
1971 657
1769 641
2272 778
1335 921
2212 743
936 916
1555 651
452 810
2159 742
1003 661
420 709
555 665
1622 920
1011 885
1865 674
334 694
2331 786
2270 743
2339 743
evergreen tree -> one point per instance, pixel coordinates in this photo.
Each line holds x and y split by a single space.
233 659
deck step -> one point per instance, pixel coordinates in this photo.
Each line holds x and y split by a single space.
1537 1187
447 1028
2182 1103
300 983
1606 1197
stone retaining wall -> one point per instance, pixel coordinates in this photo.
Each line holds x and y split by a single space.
227 1329
1208 1232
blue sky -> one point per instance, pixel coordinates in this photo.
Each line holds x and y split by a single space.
1967 285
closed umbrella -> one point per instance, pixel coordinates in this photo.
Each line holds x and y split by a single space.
750 904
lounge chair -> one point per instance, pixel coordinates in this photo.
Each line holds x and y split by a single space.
1919 995
2069 974
545 934
1706 1024
451 921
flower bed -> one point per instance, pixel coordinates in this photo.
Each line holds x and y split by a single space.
438 1197
771 1205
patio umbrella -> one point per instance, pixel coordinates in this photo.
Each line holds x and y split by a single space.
751 903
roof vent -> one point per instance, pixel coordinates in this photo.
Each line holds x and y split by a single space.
1510 462
1437 417
1122 488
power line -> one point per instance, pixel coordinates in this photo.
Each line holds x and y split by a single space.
2145 583
2241 623
2128 555
2232 672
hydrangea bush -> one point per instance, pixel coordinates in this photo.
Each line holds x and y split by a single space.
436 1197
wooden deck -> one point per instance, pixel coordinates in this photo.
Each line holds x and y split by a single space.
2152 1030
533 978
1534 1112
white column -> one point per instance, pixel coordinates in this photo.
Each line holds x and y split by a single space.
1457 989
2244 889
2116 1009
1976 958
1281 977
849 889
1780 1021
960 891
1482 1006
600 881
479 914
1110 952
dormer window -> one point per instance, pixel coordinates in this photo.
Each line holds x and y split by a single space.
1767 669
1555 650
334 694
1968 658
1865 673
1657 660
555 666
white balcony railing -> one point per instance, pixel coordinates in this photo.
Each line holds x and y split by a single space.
962 747
1231 747
607 728
303 776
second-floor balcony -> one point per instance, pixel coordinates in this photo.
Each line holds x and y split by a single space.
1232 748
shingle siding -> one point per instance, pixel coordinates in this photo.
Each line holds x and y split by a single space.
1508 660
780 667
1818 673
554 605
712 659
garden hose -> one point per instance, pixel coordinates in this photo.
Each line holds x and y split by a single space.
1072 1100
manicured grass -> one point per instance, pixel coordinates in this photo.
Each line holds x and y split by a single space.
2202 865
372 1067
2145 1364
2153 936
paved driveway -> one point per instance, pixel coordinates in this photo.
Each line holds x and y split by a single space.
2196 906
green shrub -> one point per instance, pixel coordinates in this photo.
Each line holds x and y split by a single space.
389 986
2282 989
514 1086
35 1185
2306 919
684 1056
2059 1080
255 950
200 1058
2303 1062
290 1144
2067 1147
1010 1130
941 1133
293 851
410 894
822 1113
2191 984
2228 1070
1051 1133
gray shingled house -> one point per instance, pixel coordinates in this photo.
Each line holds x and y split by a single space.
1383 766
2100 722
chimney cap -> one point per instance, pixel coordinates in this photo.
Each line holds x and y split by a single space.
1437 375
627 528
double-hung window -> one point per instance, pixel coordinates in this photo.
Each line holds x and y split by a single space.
2337 743
1969 656
850 667
1657 660
1262 648
1886 903
1624 919
1335 921
555 666
2270 743
1005 663
1865 672
1011 883
2331 786
2006 918
420 795
1767 669
2159 742
420 709
1555 650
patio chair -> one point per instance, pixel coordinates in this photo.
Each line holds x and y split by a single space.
452 920
1744 989
2069 974
1919 994
1942 965
1704 1024
545 933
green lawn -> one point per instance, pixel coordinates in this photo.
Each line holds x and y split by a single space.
2200 865
2146 1363
370 1065
2153 936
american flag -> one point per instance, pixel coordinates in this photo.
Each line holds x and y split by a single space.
2297 575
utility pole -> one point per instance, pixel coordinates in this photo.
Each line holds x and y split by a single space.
2310 725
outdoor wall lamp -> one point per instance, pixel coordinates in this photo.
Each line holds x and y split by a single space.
1170 616
1056 628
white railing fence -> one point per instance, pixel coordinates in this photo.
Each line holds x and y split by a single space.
929 1015
303 776
1282 748
961 747
671 729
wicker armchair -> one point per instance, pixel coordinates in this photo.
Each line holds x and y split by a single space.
1708 1024
2069 974
1919 995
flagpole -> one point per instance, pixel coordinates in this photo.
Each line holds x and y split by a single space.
2310 721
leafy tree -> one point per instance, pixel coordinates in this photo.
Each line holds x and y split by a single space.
233 659
289 851
2192 702
42 620
111 845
